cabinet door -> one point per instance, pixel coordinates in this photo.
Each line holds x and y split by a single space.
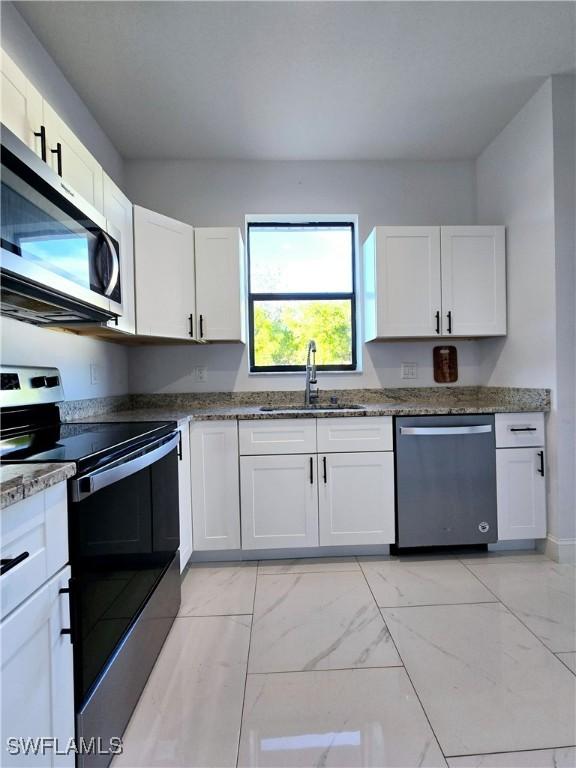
405 281
21 105
37 674
118 212
220 290
185 496
80 169
521 493
473 281
356 498
215 485
279 500
164 269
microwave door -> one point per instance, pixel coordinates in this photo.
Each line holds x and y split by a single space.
48 241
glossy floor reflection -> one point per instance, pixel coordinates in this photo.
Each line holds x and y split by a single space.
467 663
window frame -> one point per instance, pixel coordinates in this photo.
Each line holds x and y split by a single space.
347 296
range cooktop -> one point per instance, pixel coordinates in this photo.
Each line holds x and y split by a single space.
87 445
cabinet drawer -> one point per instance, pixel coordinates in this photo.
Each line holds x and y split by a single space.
37 526
348 434
277 436
516 430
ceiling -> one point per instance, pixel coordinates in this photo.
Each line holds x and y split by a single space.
305 80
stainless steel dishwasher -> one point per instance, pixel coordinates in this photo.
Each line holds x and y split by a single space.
445 480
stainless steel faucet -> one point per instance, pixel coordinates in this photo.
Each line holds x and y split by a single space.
311 395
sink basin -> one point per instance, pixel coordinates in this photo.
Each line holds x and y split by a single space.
313 407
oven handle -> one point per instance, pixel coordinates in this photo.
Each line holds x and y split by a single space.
85 486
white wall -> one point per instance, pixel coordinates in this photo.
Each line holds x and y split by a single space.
222 193
25 49
516 186
25 344
564 120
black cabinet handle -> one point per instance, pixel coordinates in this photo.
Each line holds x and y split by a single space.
7 563
72 630
311 471
540 469
325 472
58 153
191 318
42 136
180 447
201 327
437 321
523 429
449 316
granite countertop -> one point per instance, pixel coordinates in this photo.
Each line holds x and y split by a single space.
215 412
20 481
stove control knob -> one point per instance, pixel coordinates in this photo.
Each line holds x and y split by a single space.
52 381
38 381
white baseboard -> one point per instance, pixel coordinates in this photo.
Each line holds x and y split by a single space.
291 554
561 550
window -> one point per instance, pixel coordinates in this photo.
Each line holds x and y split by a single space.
301 287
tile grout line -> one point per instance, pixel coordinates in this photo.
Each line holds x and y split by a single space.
511 751
314 671
246 675
557 654
513 613
404 666
210 615
439 605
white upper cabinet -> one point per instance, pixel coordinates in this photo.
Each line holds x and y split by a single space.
118 213
435 281
473 281
26 113
220 292
71 160
402 281
22 110
164 270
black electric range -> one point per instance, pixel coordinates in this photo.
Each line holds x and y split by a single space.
123 534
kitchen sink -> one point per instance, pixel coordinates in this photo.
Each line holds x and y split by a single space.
313 407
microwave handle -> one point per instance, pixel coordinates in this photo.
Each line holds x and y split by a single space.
101 478
115 265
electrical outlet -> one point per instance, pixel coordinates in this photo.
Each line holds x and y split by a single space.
94 373
200 374
409 371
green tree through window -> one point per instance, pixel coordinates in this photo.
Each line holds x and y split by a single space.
301 288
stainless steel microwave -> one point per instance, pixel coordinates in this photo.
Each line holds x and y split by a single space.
60 257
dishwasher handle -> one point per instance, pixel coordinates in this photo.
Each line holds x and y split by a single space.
471 430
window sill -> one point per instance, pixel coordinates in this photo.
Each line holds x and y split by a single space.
302 374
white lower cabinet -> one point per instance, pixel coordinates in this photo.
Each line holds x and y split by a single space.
185 496
215 485
356 498
521 493
37 675
279 500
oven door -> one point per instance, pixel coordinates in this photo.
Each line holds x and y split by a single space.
51 239
124 532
